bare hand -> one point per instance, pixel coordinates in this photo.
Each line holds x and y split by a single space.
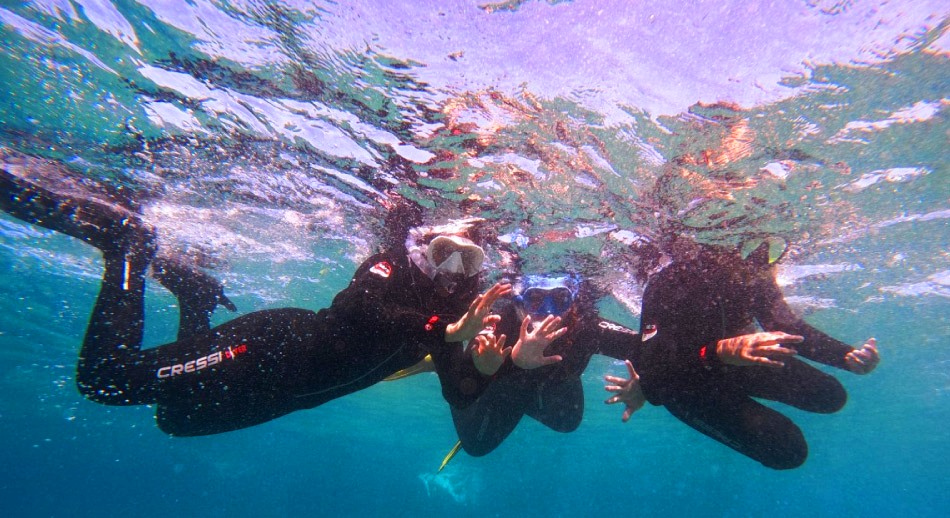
478 316
863 360
528 353
627 391
489 353
757 349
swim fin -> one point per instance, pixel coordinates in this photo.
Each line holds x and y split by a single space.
455 449
425 365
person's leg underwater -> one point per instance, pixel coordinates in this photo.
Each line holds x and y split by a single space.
209 380
486 423
797 384
745 425
46 194
559 404
116 326
198 294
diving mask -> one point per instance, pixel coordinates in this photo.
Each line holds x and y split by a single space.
455 256
543 296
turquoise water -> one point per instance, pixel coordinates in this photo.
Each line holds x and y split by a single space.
265 140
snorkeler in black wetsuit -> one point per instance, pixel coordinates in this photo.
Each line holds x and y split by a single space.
265 364
687 364
546 388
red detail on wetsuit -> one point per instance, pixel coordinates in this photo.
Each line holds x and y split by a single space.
432 320
649 331
382 268
702 352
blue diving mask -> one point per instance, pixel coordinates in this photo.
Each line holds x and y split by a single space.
543 296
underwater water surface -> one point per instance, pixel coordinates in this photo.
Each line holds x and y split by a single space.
267 140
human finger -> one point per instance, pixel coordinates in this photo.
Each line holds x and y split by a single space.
549 323
478 346
490 320
627 414
631 371
524 326
488 298
548 360
763 360
786 338
855 358
774 350
556 334
496 292
764 339
473 307
502 289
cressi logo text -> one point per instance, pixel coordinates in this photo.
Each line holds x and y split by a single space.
201 363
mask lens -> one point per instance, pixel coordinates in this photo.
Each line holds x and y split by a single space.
543 302
533 299
471 261
454 255
561 299
452 265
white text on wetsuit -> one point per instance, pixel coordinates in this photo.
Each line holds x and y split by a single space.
201 363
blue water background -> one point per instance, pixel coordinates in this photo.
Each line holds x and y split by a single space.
376 453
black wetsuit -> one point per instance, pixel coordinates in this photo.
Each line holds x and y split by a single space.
269 363
256 367
694 304
552 395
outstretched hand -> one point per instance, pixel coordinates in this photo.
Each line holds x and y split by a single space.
478 316
757 349
528 353
627 391
863 360
489 353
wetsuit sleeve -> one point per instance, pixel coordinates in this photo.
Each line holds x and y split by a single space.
774 314
615 340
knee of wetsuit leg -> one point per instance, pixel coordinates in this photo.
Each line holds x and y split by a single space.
478 449
94 391
833 399
789 452
789 459
98 386
567 422
176 427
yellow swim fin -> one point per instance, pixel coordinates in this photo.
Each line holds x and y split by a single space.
425 365
455 449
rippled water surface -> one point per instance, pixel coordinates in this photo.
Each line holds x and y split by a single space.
267 141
